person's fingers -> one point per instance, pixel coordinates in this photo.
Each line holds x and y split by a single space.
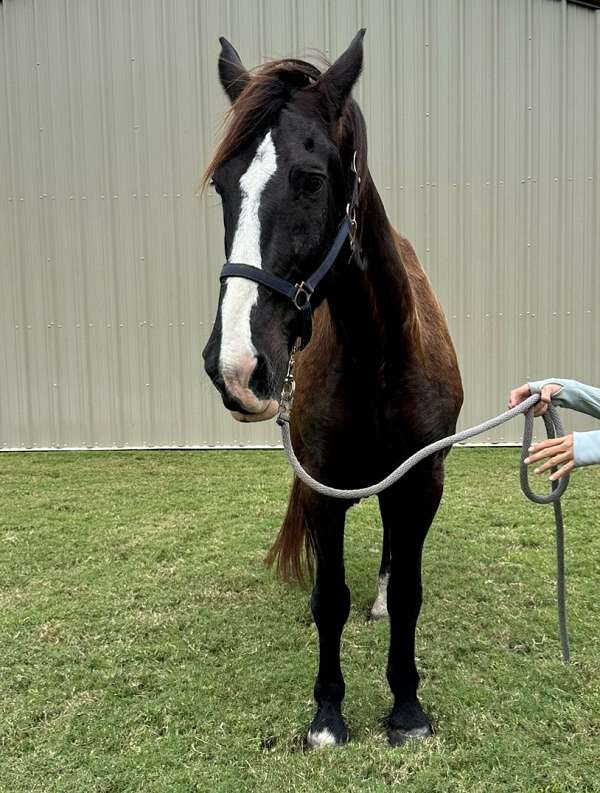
546 393
517 395
566 469
556 459
540 450
545 400
546 443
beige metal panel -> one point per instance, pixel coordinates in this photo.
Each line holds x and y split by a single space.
484 131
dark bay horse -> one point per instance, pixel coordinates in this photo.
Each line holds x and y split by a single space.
379 378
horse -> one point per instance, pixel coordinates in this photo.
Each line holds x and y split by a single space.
378 378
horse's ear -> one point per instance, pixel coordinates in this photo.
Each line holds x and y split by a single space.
232 73
337 82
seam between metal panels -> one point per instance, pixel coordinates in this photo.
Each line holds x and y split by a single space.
494 177
595 248
140 243
80 273
114 424
427 164
45 247
203 107
526 174
170 104
17 232
393 17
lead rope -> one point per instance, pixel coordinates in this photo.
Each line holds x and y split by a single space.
554 428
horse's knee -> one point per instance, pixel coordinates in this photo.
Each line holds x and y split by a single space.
330 605
404 594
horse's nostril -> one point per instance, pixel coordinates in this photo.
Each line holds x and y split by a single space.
212 370
260 380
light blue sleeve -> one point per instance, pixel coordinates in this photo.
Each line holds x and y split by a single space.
574 395
586 448
585 399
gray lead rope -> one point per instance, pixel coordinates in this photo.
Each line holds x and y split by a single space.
554 428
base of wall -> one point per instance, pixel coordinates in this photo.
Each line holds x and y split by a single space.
249 447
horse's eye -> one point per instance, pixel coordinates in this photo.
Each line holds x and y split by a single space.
312 183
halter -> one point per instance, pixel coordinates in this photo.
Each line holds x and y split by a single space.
301 294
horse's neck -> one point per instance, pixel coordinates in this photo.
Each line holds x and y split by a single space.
370 304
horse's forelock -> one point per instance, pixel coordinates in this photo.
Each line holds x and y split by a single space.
270 88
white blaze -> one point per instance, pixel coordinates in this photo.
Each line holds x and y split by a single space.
240 294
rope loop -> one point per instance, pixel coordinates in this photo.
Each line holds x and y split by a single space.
554 429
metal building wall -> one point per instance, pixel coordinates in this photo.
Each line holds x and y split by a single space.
484 122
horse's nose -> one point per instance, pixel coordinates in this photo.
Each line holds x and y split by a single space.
230 379
236 378
233 405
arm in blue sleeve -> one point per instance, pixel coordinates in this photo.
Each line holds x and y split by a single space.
585 399
574 395
586 448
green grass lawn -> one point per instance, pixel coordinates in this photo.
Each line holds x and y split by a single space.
144 646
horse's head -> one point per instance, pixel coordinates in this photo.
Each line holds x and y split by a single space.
282 172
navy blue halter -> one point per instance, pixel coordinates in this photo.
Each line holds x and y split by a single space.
301 294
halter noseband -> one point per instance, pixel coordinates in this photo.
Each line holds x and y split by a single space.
300 294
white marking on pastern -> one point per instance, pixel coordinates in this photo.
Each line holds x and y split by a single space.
324 737
379 609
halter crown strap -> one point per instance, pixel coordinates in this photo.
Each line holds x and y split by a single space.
332 254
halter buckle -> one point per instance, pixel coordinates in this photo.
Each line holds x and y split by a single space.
302 297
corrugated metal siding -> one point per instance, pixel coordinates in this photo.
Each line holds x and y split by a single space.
484 124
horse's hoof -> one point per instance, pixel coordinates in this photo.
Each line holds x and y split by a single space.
400 737
328 728
408 722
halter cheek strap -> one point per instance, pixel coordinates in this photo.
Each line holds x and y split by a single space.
300 294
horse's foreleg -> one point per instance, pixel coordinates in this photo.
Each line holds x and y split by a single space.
330 605
408 510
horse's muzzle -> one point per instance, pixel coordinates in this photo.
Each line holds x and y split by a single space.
269 412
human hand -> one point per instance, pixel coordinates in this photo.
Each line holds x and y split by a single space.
520 394
556 452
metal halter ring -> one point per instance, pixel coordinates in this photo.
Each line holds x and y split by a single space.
302 297
288 389
354 169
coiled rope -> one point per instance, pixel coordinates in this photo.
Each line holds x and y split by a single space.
554 428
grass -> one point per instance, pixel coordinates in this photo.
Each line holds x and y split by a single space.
144 647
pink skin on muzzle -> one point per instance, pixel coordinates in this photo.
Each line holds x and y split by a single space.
237 379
